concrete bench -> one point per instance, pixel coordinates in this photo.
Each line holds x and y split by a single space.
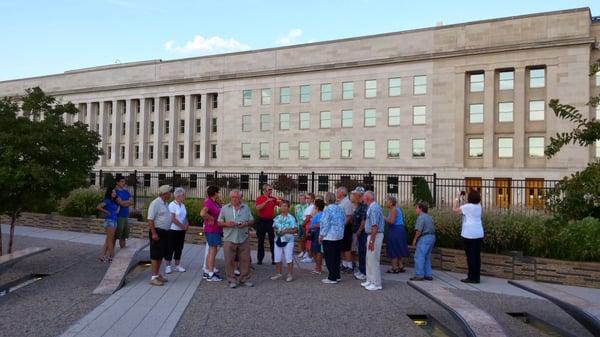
115 275
6 261
474 321
585 312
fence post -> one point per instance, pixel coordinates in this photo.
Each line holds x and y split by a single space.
312 182
100 179
434 189
135 188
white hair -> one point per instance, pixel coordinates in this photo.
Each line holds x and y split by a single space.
178 192
343 190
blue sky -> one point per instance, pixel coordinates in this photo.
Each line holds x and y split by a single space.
47 37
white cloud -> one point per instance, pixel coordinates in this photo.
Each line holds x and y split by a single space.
291 37
204 46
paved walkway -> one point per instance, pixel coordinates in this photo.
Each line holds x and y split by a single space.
132 311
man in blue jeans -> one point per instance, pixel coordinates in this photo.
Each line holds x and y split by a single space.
423 241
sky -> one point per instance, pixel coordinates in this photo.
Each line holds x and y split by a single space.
41 37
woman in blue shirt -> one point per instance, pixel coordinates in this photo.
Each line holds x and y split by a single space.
109 209
396 246
285 227
315 229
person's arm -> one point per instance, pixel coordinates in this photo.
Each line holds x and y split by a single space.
456 206
391 218
262 205
418 231
100 207
151 228
123 203
205 215
222 222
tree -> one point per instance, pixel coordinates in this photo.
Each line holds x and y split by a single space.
41 157
285 184
577 196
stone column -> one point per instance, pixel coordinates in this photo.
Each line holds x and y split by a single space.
173 130
520 112
459 120
188 116
103 119
129 134
489 110
158 132
205 130
144 130
116 132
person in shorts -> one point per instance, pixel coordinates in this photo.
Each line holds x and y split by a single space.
212 231
285 227
109 209
159 224
124 201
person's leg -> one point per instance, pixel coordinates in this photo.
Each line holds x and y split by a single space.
206 249
369 261
210 259
172 237
430 243
338 259
105 245
179 242
467 243
124 232
229 251
362 253
289 257
244 260
375 265
318 257
277 260
260 237
271 234
477 259
329 261
110 233
420 253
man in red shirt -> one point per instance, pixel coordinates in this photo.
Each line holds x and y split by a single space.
265 207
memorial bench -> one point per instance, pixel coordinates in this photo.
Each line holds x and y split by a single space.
6 261
122 262
473 320
585 312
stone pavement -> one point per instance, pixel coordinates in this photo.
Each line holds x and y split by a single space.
132 311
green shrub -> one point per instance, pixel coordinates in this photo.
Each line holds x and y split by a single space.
193 207
579 240
421 191
81 202
577 196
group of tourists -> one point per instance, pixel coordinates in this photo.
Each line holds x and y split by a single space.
337 228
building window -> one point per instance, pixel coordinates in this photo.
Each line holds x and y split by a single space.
284 150
394 86
476 82
505 112
324 150
182 126
214 124
151 151
393 116
393 148
181 151
110 109
152 105
151 127
536 110
246 97
370 117
284 95
419 117
420 85
123 129
246 123
215 104
284 121
167 104
166 127
198 125
475 113
265 96
198 102
304 93
325 92
369 149
122 152
346 149
166 151
346 118
476 147
304 120
265 122
109 152
213 151
506 80
347 90
264 151
325 120
138 106
370 88
110 129
537 78
302 150
246 151
182 104
505 147
197 151
418 148
536 147
137 128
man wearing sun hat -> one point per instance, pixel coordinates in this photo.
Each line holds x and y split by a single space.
159 223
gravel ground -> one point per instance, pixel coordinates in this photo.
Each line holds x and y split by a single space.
49 306
306 307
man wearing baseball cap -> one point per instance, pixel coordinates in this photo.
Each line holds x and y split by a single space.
159 223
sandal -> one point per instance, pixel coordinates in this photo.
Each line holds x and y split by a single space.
392 271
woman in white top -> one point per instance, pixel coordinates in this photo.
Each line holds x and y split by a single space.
179 224
471 233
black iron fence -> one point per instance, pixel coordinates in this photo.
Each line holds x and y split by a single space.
496 193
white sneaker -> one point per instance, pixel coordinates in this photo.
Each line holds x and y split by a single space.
307 260
372 287
301 255
179 269
276 277
289 278
237 272
328 281
360 276
366 284
168 270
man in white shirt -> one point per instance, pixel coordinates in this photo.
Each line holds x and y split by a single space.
159 223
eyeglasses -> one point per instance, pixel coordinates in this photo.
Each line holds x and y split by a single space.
269 189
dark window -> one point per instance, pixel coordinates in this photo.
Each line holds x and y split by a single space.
147 180
368 182
193 180
303 183
245 181
215 99
392 184
161 179
210 178
323 183
199 102
262 179
92 179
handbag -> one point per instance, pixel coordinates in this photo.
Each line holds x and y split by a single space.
280 243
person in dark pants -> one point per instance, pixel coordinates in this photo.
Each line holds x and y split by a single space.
331 234
358 228
265 207
159 223
179 225
471 233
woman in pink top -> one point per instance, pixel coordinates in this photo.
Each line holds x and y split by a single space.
212 231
